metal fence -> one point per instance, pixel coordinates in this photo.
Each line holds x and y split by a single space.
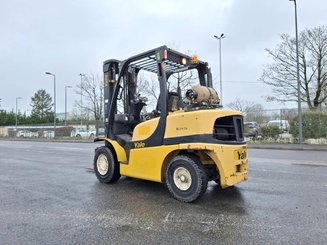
314 127
314 124
47 131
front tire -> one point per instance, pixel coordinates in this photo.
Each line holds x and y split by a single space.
106 168
186 178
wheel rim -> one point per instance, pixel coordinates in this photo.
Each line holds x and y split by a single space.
102 164
182 178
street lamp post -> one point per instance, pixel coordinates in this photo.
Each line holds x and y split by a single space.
54 102
298 76
67 86
82 75
17 98
220 72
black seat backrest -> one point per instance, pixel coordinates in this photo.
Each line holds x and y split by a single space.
173 101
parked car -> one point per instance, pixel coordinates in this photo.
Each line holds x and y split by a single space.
101 133
283 125
83 133
27 134
48 134
252 129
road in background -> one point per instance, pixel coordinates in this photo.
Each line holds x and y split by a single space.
48 195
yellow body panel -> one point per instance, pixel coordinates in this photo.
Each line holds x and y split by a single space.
147 163
145 129
182 123
231 170
150 163
194 122
120 151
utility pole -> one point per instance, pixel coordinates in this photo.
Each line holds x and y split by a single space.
82 75
17 98
220 70
54 102
67 86
298 76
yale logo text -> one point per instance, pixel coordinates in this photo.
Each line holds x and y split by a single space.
240 154
139 144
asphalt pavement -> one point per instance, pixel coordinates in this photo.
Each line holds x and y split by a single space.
49 195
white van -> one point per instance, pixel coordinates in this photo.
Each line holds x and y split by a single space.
283 125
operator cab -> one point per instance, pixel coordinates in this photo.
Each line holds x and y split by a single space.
150 86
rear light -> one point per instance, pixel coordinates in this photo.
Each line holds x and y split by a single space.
165 54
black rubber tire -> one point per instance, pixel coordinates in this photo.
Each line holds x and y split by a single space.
217 181
113 173
198 175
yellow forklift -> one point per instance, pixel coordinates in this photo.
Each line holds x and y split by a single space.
186 141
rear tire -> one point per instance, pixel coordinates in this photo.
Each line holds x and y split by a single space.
106 168
186 178
217 181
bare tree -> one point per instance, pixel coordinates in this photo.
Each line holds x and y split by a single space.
251 110
256 114
92 91
183 80
325 94
282 75
242 105
148 84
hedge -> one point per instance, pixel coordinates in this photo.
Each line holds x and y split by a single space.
314 125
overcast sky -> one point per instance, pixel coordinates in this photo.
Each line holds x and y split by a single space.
72 37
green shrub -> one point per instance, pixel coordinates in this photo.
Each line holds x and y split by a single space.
314 125
270 132
64 131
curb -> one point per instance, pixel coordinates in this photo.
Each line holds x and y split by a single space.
289 147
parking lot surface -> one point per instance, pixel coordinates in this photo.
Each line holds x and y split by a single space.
49 195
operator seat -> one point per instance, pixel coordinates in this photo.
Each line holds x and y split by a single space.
172 102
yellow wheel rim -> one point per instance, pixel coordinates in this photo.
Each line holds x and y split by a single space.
102 164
